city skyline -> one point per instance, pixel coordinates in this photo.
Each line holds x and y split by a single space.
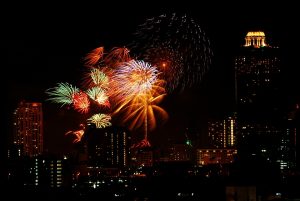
52 53
231 129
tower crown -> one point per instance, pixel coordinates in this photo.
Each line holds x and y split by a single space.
256 39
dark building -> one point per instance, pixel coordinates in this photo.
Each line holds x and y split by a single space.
263 131
108 147
41 171
257 76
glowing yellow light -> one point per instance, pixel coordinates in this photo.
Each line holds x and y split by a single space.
255 39
255 33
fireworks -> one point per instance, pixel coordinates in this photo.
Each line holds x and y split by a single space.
113 59
81 102
99 78
78 133
143 110
142 144
132 88
134 77
177 46
116 57
96 77
100 120
93 57
63 93
99 95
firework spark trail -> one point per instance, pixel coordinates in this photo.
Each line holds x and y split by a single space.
94 57
81 102
97 77
142 144
177 41
117 56
142 111
132 78
99 95
77 133
63 93
100 120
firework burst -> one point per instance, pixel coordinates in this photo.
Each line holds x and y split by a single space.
100 120
117 56
99 95
81 102
177 46
94 57
130 87
133 78
142 112
77 133
62 94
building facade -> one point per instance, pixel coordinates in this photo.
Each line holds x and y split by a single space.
257 78
108 147
264 132
28 129
222 133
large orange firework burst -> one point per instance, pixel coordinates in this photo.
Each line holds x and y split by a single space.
142 112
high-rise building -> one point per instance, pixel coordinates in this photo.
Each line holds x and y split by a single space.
257 74
288 142
222 133
262 129
28 129
108 147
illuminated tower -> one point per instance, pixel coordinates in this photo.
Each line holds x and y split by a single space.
255 39
257 74
222 133
28 129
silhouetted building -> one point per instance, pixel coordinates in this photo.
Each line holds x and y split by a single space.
180 152
288 142
48 171
142 156
177 153
257 74
241 193
215 156
260 115
108 147
267 133
28 130
41 171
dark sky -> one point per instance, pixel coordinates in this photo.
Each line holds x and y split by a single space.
44 45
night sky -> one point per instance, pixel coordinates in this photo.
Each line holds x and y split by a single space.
45 45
